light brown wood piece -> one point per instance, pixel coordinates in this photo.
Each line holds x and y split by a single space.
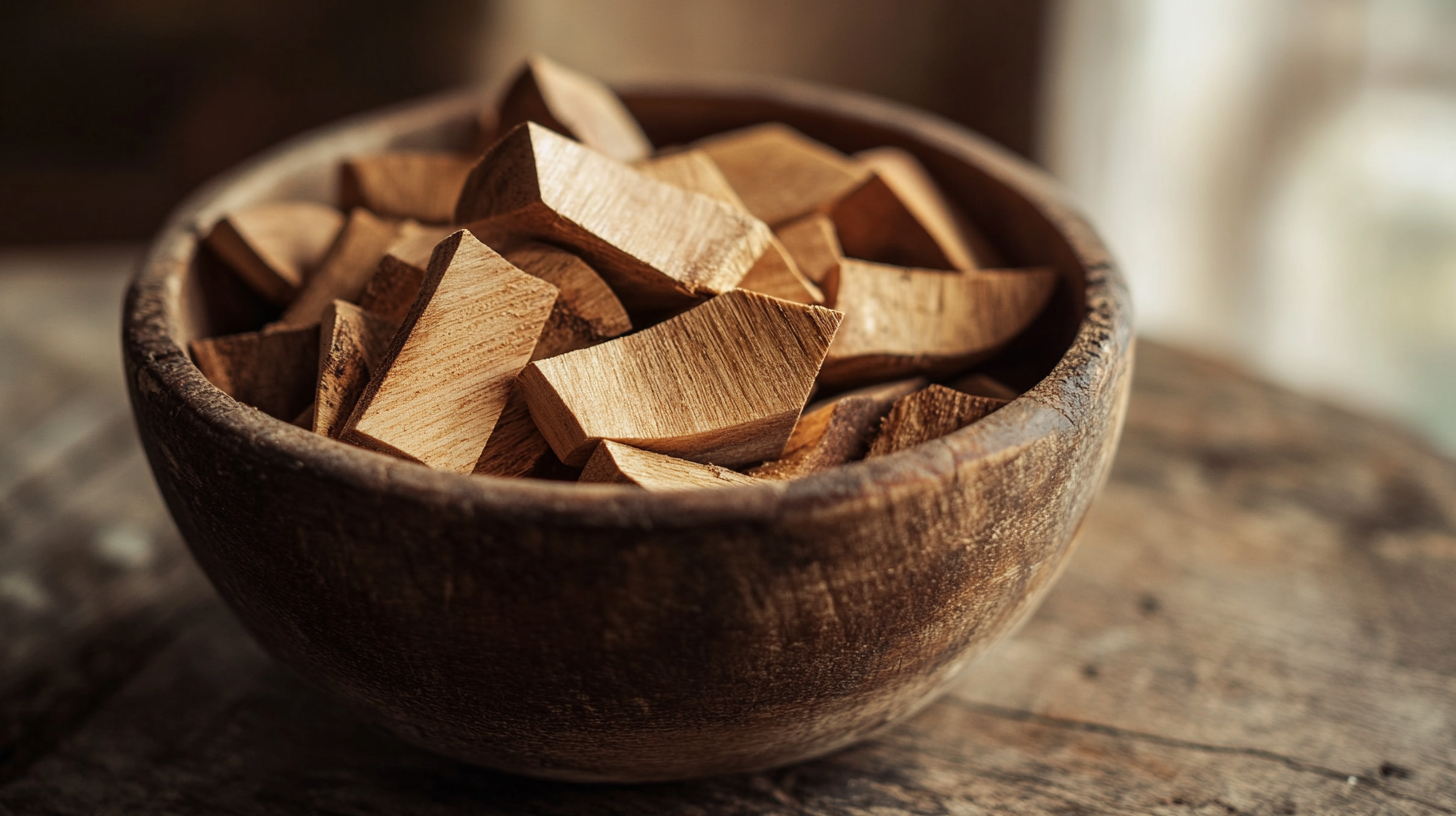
899 216
775 273
274 247
721 383
927 414
515 447
576 105
901 321
780 173
983 385
836 431
423 185
814 245
272 370
447 375
346 269
586 311
392 289
657 246
351 344
615 463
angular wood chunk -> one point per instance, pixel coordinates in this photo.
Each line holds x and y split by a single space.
775 274
515 448
928 414
983 385
351 344
573 104
586 311
836 431
423 185
720 383
780 173
346 269
657 246
272 370
814 245
447 374
615 463
899 216
902 321
392 288
274 247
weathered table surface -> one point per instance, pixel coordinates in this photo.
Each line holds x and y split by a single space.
1261 618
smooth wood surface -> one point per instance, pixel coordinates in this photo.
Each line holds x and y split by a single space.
416 184
814 245
779 173
448 372
899 216
719 384
346 269
615 463
576 105
275 247
1258 611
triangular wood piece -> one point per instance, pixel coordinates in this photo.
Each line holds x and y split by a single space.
928 414
965 246
814 245
900 322
346 269
775 273
657 246
447 375
899 216
352 342
392 288
272 370
983 385
275 247
586 311
515 448
423 185
836 431
615 463
780 173
720 383
576 105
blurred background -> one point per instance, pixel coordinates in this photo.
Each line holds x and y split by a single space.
1278 177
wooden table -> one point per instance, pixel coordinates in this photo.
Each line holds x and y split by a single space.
1261 619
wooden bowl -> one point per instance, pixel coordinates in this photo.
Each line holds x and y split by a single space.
602 632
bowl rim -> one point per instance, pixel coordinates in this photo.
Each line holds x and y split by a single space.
152 325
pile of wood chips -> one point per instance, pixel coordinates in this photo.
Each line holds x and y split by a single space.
575 305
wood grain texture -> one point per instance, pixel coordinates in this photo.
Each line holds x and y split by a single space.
272 370
352 344
721 383
779 173
899 216
835 431
416 184
575 105
814 246
344 272
656 245
446 376
930 413
586 312
615 463
274 247
624 585
516 449
901 321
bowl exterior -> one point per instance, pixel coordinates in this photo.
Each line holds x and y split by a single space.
601 633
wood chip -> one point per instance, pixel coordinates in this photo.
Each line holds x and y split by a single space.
272 370
615 463
836 431
983 385
775 273
423 185
586 311
657 246
576 105
392 289
447 375
722 383
899 216
352 342
274 247
346 269
516 448
928 414
900 321
814 246
780 173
